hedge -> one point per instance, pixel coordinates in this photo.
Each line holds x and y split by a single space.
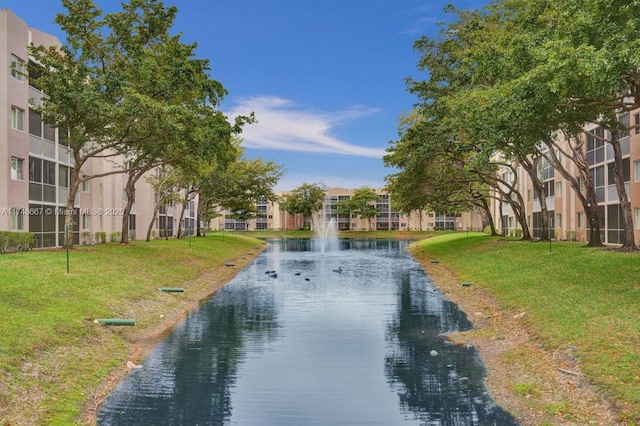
15 241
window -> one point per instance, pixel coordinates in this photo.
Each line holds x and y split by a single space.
49 133
597 174
86 221
17 115
17 167
580 220
528 194
636 123
558 188
85 186
63 137
35 123
17 219
63 176
35 169
17 68
636 170
559 220
626 124
595 146
48 172
626 172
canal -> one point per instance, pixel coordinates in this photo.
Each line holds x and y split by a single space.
349 337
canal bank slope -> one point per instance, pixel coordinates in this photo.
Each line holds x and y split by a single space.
57 363
209 281
534 376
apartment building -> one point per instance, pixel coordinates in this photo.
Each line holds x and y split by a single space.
275 219
566 216
35 164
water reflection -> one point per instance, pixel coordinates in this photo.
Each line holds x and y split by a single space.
440 382
313 346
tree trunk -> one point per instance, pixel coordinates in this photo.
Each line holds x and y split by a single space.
629 243
199 232
153 220
501 213
517 205
68 219
184 208
131 199
531 167
487 211
519 212
588 200
420 218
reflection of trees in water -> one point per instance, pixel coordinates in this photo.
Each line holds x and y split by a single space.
188 378
446 389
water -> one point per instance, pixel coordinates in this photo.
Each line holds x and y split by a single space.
318 348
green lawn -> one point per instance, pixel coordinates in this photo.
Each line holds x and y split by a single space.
52 354
575 296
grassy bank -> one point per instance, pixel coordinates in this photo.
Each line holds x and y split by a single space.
53 356
575 298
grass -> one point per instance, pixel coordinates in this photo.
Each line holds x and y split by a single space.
574 296
52 354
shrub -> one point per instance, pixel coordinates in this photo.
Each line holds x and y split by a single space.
116 237
86 238
101 237
16 241
487 230
570 235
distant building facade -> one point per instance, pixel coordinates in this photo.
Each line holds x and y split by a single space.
273 218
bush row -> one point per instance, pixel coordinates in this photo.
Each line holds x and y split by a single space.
15 241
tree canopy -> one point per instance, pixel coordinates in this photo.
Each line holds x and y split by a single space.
509 79
305 200
123 86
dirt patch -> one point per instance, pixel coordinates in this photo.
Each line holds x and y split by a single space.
536 385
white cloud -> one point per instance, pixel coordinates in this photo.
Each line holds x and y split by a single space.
421 26
283 125
292 181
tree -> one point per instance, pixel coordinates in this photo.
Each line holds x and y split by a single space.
112 86
164 183
305 200
361 204
190 130
578 69
236 187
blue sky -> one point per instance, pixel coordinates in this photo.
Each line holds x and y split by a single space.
324 78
